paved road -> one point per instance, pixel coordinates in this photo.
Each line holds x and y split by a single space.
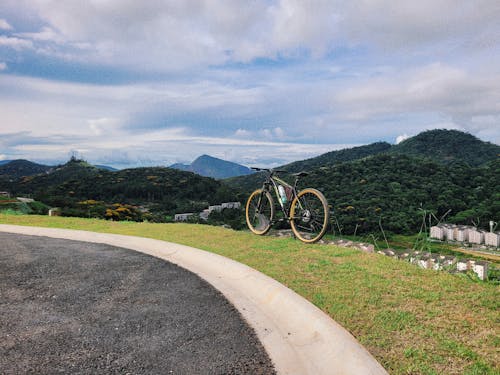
77 307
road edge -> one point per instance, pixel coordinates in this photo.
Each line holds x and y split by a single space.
298 337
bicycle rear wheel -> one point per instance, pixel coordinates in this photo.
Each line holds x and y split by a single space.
259 211
309 215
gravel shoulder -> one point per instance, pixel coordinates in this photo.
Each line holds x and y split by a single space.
77 307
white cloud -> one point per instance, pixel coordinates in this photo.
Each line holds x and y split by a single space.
243 133
177 35
439 24
4 25
433 89
343 72
15 43
401 138
46 34
103 125
172 35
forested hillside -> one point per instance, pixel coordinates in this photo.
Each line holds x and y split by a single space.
442 172
18 168
397 190
439 171
448 146
332 157
81 189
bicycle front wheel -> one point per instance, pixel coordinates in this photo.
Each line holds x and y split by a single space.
259 211
309 215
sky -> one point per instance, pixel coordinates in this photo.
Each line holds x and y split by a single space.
130 83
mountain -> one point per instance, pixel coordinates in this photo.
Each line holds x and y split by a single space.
441 146
81 189
448 146
251 182
398 189
181 167
338 156
18 168
209 166
2 162
442 171
105 167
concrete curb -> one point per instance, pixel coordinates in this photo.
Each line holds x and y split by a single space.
299 338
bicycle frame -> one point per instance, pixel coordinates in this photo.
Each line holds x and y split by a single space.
306 210
274 181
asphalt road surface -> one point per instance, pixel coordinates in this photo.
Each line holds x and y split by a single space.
82 308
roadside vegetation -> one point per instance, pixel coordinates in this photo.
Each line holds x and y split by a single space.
413 321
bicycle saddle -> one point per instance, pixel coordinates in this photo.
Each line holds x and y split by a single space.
300 174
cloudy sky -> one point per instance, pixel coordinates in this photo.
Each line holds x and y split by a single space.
263 82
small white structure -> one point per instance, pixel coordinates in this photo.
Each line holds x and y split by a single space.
476 236
25 200
449 232
4 194
217 207
461 234
448 261
480 269
437 233
231 205
204 214
492 239
54 212
183 217
462 265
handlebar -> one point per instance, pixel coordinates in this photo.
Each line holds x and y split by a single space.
271 171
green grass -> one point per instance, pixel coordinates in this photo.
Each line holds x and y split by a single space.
400 242
413 321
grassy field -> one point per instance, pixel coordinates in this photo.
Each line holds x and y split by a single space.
401 242
413 321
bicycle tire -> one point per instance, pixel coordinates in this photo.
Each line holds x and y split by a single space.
259 219
309 215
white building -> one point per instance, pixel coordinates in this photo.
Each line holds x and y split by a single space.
449 232
183 217
217 207
437 233
54 212
231 205
461 234
492 239
476 236
480 269
204 214
462 265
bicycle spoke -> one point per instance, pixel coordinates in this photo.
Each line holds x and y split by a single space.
309 215
259 212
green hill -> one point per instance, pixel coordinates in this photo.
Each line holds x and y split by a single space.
398 189
448 146
81 189
339 156
14 169
437 171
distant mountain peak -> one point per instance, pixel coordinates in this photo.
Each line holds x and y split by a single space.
448 146
210 166
20 168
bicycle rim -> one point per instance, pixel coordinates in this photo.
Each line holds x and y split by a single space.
259 212
309 215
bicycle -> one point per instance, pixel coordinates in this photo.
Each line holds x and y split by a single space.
307 211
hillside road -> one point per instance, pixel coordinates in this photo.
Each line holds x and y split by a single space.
76 307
